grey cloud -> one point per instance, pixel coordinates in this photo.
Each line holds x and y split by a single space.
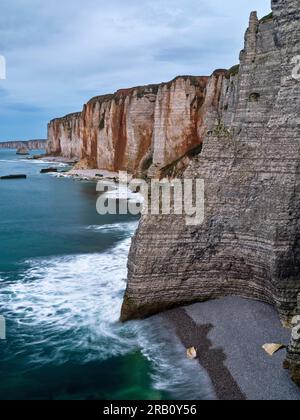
60 53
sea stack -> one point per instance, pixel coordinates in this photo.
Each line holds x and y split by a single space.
23 151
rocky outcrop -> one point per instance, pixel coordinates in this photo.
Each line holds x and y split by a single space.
140 130
23 151
249 243
29 144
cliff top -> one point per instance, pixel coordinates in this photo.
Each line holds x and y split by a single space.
67 117
150 88
21 141
267 18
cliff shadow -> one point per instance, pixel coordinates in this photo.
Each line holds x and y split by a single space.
211 359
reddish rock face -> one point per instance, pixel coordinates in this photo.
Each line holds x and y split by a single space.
141 129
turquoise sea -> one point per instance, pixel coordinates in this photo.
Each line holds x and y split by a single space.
62 279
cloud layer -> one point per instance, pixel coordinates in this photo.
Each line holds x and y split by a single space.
61 53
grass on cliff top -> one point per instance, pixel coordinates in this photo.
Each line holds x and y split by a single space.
266 18
234 71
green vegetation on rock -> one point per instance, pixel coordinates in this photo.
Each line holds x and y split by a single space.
233 71
266 18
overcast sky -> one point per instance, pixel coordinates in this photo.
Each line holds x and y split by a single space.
60 53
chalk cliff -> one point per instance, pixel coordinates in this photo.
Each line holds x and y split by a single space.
249 243
142 129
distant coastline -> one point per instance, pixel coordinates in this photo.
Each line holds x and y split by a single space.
29 144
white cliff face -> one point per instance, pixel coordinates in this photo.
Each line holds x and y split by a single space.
142 129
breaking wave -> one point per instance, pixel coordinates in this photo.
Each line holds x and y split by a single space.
71 306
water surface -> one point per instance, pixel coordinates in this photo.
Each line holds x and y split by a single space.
62 280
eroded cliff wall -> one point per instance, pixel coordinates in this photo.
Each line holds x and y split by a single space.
249 243
142 129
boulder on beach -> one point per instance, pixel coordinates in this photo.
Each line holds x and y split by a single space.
192 353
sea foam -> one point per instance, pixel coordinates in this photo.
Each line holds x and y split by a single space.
71 306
